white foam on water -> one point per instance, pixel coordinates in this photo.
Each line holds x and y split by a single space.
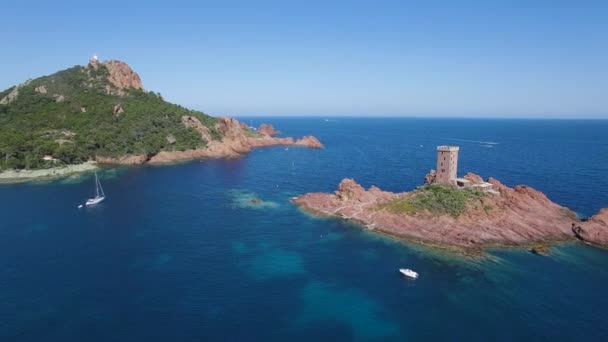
250 200
473 141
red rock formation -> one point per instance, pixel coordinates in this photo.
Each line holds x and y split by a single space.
244 126
193 122
473 178
517 216
430 177
121 76
309 141
124 160
235 142
266 129
349 190
595 230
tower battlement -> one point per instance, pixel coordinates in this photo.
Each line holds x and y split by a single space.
446 148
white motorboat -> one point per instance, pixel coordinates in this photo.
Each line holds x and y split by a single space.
409 273
99 194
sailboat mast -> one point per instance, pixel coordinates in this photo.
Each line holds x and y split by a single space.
100 188
96 186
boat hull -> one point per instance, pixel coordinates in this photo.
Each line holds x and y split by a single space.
94 201
408 273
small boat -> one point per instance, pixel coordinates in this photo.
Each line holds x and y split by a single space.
80 206
408 272
99 195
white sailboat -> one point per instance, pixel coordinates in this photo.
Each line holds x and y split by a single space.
99 195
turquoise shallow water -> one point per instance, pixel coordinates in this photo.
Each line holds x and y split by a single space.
177 253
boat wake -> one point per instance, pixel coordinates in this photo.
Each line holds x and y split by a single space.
473 141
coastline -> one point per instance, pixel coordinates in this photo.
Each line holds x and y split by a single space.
23 176
160 159
519 217
468 251
235 143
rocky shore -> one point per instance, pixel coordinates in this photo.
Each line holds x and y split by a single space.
237 139
519 216
14 176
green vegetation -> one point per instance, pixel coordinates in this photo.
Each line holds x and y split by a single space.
6 92
253 134
438 199
73 120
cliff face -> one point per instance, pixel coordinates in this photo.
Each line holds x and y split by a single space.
121 76
595 229
515 216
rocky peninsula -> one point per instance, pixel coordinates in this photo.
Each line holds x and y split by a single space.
101 113
466 220
237 139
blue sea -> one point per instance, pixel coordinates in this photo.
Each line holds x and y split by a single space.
177 253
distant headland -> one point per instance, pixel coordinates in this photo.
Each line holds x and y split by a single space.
101 114
464 214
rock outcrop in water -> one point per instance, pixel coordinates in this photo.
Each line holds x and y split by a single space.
595 230
519 216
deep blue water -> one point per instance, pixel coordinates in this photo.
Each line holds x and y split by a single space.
175 253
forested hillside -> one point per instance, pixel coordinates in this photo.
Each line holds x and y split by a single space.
80 113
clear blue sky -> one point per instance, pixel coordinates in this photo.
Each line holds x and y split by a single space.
426 58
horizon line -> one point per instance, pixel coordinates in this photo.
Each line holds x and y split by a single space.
370 116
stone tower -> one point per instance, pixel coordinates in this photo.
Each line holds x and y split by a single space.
447 164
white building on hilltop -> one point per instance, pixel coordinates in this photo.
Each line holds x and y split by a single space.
94 60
